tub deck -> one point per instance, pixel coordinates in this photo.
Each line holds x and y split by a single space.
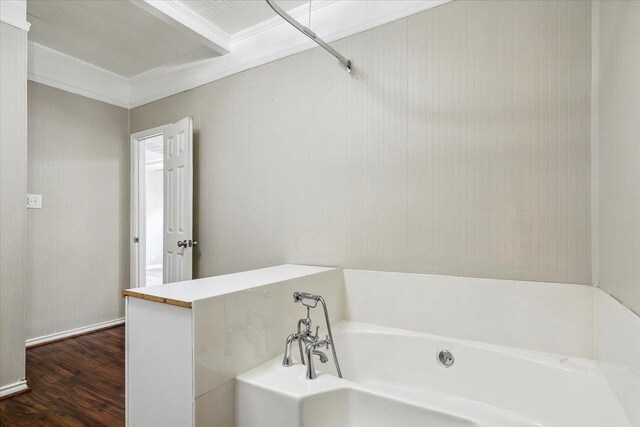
392 377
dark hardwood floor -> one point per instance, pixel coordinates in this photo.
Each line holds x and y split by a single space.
75 382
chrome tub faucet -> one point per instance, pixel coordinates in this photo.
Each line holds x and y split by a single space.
311 342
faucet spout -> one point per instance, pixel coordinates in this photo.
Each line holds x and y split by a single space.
323 356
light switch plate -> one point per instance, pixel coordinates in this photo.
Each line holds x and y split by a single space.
34 201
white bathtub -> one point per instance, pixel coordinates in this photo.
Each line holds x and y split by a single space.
393 378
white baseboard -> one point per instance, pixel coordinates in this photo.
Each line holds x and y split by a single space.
77 331
6 390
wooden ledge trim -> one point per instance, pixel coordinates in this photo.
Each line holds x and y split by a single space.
154 298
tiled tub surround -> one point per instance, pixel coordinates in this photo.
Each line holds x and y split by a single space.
187 341
551 317
542 333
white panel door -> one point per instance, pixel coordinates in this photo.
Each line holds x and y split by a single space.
178 201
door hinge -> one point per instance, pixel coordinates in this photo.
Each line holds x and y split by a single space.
136 240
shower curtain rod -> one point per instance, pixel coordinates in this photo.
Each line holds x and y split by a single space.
347 64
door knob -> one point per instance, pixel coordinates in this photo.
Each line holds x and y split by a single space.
193 243
182 243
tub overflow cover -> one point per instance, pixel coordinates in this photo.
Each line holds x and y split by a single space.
445 358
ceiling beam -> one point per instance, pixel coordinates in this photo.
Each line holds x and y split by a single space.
265 42
176 14
53 68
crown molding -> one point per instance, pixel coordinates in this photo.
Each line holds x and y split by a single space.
53 68
275 39
298 12
265 42
14 13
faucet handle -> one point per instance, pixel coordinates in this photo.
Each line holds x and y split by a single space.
307 325
317 329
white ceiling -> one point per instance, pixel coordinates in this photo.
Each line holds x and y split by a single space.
131 52
235 16
114 35
123 37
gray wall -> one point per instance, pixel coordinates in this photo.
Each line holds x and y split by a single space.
13 185
77 244
619 151
459 146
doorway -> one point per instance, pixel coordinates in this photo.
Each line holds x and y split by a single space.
147 194
162 243
153 160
